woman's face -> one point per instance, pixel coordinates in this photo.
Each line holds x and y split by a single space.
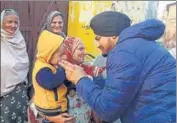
79 54
57 24
10 23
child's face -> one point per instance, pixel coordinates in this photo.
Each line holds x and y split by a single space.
58 56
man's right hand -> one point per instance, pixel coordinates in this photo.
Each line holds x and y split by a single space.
61 118
73 72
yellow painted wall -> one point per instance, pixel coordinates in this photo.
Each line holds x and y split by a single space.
136 10
172 12
80 14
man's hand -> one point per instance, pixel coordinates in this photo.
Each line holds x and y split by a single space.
90 77
73 72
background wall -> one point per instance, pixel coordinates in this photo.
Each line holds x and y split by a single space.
81 12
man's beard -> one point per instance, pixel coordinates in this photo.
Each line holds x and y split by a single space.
104 55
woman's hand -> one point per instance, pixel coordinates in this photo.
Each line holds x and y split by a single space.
61 118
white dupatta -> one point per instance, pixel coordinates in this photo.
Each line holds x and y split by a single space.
14 59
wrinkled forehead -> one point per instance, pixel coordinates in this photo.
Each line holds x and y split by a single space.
80 44
57 18
54 15
10 17
72 43
77 43
9 13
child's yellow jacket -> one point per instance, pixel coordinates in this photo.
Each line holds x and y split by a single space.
43 98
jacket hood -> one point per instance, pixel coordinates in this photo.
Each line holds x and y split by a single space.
150 29
48 43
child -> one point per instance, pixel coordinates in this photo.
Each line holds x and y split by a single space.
48 79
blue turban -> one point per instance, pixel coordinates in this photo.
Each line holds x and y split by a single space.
109 23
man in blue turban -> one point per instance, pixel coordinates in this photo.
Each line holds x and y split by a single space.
141 75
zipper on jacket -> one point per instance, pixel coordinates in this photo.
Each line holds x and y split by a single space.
56 94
